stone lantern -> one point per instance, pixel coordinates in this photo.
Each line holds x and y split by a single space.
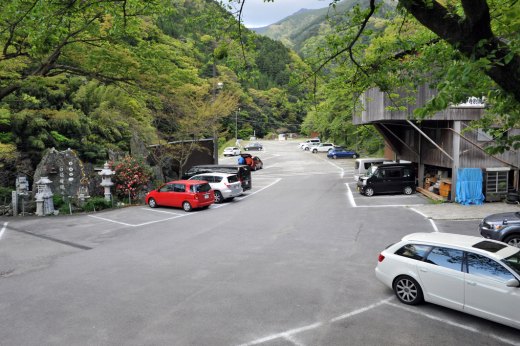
106 180
44 203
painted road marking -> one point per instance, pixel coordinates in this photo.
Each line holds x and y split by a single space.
435 228
455 324
3 229
350 196
288 335
257 191
160 211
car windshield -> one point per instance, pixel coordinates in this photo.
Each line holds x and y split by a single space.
513 262
371 171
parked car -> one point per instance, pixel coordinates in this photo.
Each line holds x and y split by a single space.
362 166
242 171
185 194
308 146
503 227
389 178
470 274
341 153
253 146
309 141
322 148
225 186
231 151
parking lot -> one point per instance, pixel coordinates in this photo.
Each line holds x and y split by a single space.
291 262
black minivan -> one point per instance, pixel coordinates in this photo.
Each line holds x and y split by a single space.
242 171
389 178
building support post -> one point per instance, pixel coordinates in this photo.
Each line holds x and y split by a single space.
456 158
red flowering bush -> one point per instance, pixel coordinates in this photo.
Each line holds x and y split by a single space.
131 176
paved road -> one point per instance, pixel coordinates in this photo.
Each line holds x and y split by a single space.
289 263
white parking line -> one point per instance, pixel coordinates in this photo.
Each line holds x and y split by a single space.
257 191
288 335
359 311
140 224
160 211
350 196
3 229
435 229
455 324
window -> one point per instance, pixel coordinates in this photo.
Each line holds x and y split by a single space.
232 179
447 258
392 173
513 262
486 267
166 188
216 179
200 188
179 187
414 251
489 246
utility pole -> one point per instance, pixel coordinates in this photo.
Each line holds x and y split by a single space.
236 125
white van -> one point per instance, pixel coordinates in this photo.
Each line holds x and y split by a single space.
362 166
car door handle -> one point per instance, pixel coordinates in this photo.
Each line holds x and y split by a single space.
423 270
471 283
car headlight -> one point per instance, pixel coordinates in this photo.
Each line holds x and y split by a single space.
498 227
364 182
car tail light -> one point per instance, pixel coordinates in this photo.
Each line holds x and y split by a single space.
381 258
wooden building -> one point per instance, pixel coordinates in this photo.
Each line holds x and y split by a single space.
440 144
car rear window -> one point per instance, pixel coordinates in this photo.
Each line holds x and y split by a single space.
200 188
232 179
414 251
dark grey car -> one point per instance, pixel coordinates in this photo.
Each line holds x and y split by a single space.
503 227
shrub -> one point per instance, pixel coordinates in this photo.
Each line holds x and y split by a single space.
96 203
5 195
131 176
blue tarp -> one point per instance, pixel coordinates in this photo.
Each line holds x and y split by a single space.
469 186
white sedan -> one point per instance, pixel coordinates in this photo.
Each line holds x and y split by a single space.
231 151
470 274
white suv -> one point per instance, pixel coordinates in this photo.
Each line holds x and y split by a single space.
225 186
322 148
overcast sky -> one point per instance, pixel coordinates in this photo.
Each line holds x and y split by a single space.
257 13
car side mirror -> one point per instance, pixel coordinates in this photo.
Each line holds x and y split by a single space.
512 283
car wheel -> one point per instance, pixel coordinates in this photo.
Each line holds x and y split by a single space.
513 240
314 151
408 290
186 206
334 157
354 156
218 197
369 192
152 203
306 149
408 190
